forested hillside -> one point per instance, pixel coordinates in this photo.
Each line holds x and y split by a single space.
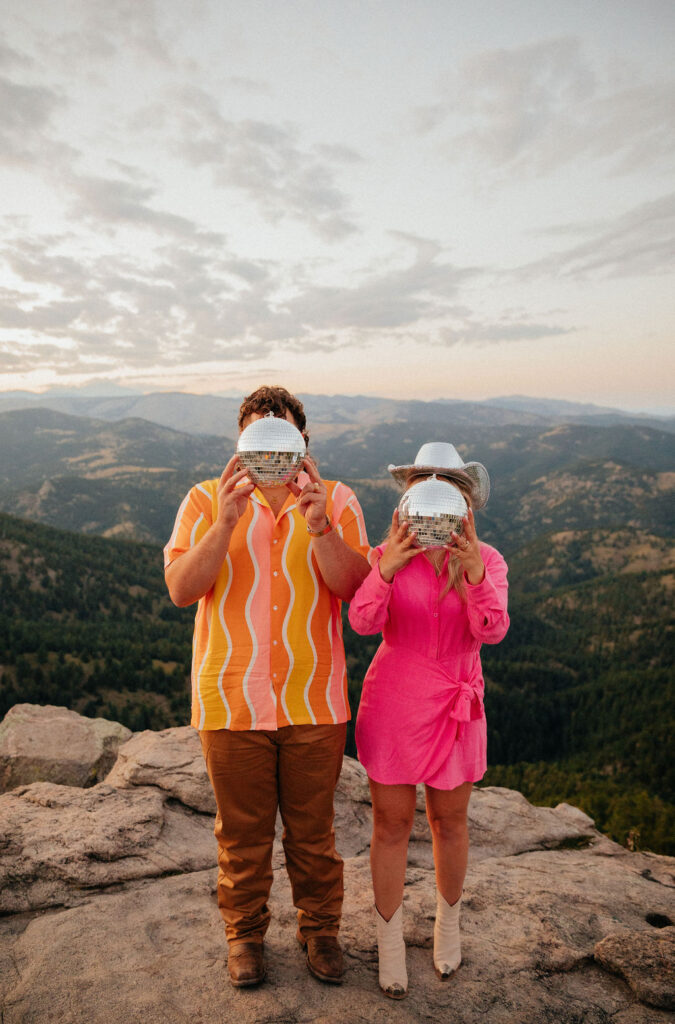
86 623
579 695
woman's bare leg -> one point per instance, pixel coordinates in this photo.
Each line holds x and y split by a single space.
447 814
393 813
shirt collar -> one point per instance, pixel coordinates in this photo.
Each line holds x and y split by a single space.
302 479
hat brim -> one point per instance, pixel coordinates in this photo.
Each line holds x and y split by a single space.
475 472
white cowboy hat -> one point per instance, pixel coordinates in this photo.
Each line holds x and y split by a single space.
443 459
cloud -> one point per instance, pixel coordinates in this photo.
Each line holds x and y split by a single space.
163 305
266 161
249 85
181 301
398 298
21 355
41 263
56 317
534 108
339 154
284 177
102 30
27 139
474 333
117 201
10 58
26 113
637 243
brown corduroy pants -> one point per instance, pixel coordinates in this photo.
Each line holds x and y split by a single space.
295 769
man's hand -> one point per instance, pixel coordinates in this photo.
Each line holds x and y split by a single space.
312 497
193 573
400 549
231 498
343 570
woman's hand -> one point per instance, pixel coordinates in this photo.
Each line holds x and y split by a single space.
231 498
467 550
313 496
400 549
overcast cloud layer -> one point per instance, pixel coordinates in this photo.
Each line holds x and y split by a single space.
194 195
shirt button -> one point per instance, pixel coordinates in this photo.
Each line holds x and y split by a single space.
435 615
275 541
275 608
275 573
275 642
274 675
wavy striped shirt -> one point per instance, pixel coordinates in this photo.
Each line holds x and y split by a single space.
267 647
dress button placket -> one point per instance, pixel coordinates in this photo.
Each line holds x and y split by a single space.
437 623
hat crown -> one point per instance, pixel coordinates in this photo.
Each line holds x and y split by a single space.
442 458
440 454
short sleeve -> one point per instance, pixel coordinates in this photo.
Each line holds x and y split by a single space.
194 518
348 520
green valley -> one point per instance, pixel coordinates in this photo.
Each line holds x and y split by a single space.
579 696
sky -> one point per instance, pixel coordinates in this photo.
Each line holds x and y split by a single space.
432 200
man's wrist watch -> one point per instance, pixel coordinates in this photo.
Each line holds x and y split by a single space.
326 528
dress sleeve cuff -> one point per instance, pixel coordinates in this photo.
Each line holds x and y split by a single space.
475 587
477 591
381 582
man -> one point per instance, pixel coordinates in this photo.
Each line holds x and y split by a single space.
269 567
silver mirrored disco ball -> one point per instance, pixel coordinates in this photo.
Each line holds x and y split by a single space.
271 450
434 508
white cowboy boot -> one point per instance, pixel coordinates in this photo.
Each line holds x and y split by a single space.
447 951
391 955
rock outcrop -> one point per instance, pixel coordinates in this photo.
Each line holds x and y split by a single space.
110 915
51 744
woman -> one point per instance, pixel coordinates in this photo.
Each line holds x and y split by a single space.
421 717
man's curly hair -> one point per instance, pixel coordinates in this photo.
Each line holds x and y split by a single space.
274 399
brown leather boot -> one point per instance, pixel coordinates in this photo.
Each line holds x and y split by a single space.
246 964
324 958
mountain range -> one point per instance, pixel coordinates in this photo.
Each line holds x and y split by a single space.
126 478
329 414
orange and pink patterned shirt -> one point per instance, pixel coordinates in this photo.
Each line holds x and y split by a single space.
267 647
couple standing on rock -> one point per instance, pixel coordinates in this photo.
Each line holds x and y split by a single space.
270 567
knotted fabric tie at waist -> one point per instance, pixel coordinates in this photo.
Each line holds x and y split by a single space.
464 697
466 704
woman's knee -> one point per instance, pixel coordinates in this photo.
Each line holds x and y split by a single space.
392 828
448 827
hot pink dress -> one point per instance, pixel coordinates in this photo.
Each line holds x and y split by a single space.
421 717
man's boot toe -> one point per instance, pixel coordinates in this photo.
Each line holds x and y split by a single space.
246 964
324 958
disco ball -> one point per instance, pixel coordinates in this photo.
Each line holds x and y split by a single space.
434 508
271 450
